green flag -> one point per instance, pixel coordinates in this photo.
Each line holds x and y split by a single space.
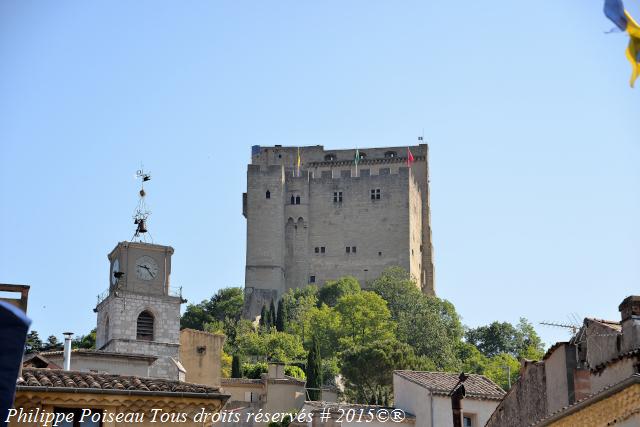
356 158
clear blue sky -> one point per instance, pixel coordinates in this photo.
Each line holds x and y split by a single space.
534 136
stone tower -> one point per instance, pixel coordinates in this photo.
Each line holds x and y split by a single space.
321 218
140 314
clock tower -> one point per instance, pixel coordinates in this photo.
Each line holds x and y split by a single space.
140 313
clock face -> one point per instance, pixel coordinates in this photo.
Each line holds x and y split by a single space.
146 268
115 267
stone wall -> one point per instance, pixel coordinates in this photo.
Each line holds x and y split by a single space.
200 354
526 402
118 315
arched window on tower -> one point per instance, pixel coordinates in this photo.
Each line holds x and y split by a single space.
268 194
329 157
297 200
390 154
144 329
293 200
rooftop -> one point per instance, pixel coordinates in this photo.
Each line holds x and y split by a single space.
36 379
441 383
100 353
611 324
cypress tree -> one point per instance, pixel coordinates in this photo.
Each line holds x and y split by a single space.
263 316
272 314
314 371
236 367
281 318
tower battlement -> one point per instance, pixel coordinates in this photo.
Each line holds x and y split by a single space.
327 217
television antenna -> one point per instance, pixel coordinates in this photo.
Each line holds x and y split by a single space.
572 327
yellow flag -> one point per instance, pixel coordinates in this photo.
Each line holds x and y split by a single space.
298 162
633 50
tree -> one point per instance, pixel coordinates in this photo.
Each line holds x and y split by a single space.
364 318
33 343
502 337
272 314
85 341
314 372
325 327
430 325
295 372
254 370
472 360
297 303
226 303
499 366
225 364
263 316
236 367
433 329
52 343
272 346
333 290
281 318
367 369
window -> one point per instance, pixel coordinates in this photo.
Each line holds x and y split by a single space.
144 329
375 194
390 154
293 200
348 249
268 194
379 253
297 200
317 250
321 249
312 279
337 197
467 422
353 249
329 157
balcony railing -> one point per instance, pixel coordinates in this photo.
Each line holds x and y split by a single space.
173 292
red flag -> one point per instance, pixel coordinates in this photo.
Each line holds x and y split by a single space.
409 157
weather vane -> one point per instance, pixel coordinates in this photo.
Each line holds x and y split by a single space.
141 213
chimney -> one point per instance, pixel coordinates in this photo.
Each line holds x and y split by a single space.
67 350
276 370
630 319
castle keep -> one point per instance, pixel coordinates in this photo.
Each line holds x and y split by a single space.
313 216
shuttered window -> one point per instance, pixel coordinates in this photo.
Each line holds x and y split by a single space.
145 326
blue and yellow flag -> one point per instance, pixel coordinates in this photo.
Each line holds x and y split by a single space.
614 10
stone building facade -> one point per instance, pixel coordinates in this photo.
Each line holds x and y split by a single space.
140 314
325 218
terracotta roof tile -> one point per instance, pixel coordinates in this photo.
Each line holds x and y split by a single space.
442 383
56 378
